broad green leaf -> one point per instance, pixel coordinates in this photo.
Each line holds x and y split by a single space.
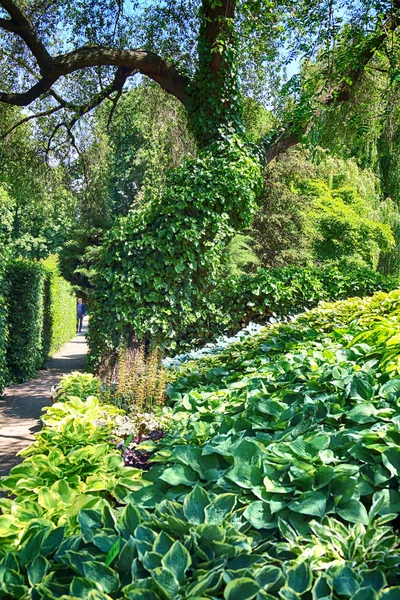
179 475
353 511
345 582
365 593
299 578
37 569
194 505
363 413
360 389
220 508
243 588
310 503
391 460
128 521
268 576
104 576
166 582
374 578
259 515
81 586
90 521
177 560
321 589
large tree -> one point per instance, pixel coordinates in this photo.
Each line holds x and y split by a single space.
159 263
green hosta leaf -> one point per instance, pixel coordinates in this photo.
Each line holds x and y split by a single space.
321 589
363 413
132 592
162 543
268 576
106 578
127 555
205 584
390 389
248 453
243 588
90 521
194 505
259 515
52 540
360 389
365 593
128 521
37 569
220 508
81 586
310 503
391 460
286 593
374 578
353 511
177 560
166 582
32 547
345 582
246 476
179 475
299 578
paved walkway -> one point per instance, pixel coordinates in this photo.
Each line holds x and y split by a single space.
21 406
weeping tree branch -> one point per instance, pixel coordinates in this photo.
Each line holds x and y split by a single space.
291 136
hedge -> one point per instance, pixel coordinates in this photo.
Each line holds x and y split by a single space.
3 324
26 282
60 309
6 221
41 318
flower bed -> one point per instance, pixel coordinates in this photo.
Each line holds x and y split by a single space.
277 479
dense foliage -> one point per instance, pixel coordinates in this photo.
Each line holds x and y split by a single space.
40 204
60 309
26 281
317 208
278 477
41 316
5 229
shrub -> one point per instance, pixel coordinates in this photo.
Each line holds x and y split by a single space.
60 309
81 385
26 281
278 292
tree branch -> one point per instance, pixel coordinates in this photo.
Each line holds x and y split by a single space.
283 140
21 25
44 113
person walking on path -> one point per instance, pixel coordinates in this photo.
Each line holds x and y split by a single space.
80 313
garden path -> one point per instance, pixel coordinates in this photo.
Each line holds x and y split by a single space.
21 406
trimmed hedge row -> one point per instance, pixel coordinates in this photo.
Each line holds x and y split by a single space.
60 316
40 316
3 322
26 283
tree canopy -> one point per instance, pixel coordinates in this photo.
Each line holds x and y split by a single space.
64 58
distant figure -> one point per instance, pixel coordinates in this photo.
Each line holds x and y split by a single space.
80 313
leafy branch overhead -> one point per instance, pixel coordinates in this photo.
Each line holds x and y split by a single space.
43 57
